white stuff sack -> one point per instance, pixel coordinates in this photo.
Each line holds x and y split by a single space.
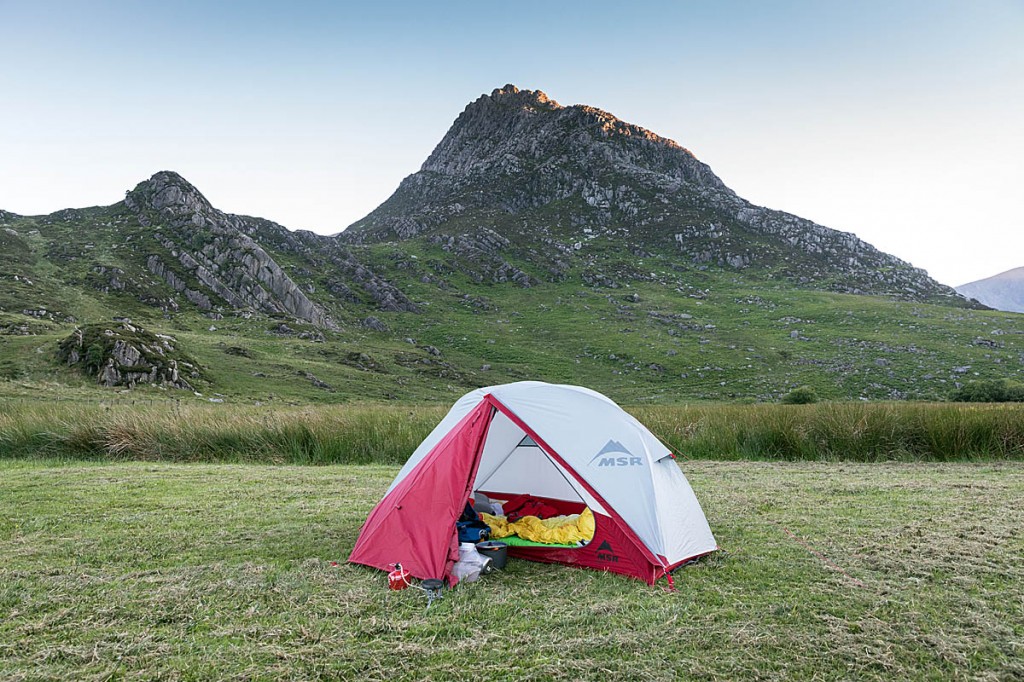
470 564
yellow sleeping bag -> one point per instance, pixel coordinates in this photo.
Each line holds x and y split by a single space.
558 530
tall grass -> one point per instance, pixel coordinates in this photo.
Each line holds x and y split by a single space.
366 433
864 432
308 435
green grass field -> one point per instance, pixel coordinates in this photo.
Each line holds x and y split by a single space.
196 571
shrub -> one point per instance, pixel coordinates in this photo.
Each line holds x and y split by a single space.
989 391
94 358
801 395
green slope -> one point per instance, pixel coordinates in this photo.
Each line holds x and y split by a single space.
665 333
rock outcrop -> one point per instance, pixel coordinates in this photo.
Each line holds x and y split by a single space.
122 354
214 248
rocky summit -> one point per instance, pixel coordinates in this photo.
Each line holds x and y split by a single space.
216 250
537 241
519 175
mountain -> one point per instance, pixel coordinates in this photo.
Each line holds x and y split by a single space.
166 248
519 173
537 241
216 249
1004 291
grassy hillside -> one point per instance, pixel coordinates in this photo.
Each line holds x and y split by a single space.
724 339
847 571
640 328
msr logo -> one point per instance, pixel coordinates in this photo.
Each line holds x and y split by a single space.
606 553
615 454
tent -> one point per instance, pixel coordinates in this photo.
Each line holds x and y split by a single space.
568 446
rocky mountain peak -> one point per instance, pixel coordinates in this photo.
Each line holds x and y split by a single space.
228 266
516 150
170 194
520 174
511 131
511 95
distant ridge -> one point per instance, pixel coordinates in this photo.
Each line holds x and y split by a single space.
1004 291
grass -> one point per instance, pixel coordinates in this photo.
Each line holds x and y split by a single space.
355 434
388 433
193 572
865 432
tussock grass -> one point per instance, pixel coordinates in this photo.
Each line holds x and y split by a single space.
301 435
200 572
865 432
388 433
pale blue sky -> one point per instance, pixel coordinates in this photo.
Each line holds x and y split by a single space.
899 121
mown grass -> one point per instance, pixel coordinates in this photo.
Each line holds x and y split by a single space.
388 433
195 572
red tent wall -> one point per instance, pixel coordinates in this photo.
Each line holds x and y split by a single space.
415 523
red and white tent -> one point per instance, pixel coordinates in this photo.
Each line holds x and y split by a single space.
571 447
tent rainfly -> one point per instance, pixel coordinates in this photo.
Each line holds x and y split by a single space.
567 445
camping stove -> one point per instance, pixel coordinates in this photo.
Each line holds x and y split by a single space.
433 588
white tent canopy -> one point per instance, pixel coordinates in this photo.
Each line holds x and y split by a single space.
571 443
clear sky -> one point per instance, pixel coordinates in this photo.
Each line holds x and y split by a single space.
900 121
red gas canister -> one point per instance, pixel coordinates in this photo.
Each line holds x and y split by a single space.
398 579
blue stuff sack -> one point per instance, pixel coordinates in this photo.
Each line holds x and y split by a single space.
470 527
